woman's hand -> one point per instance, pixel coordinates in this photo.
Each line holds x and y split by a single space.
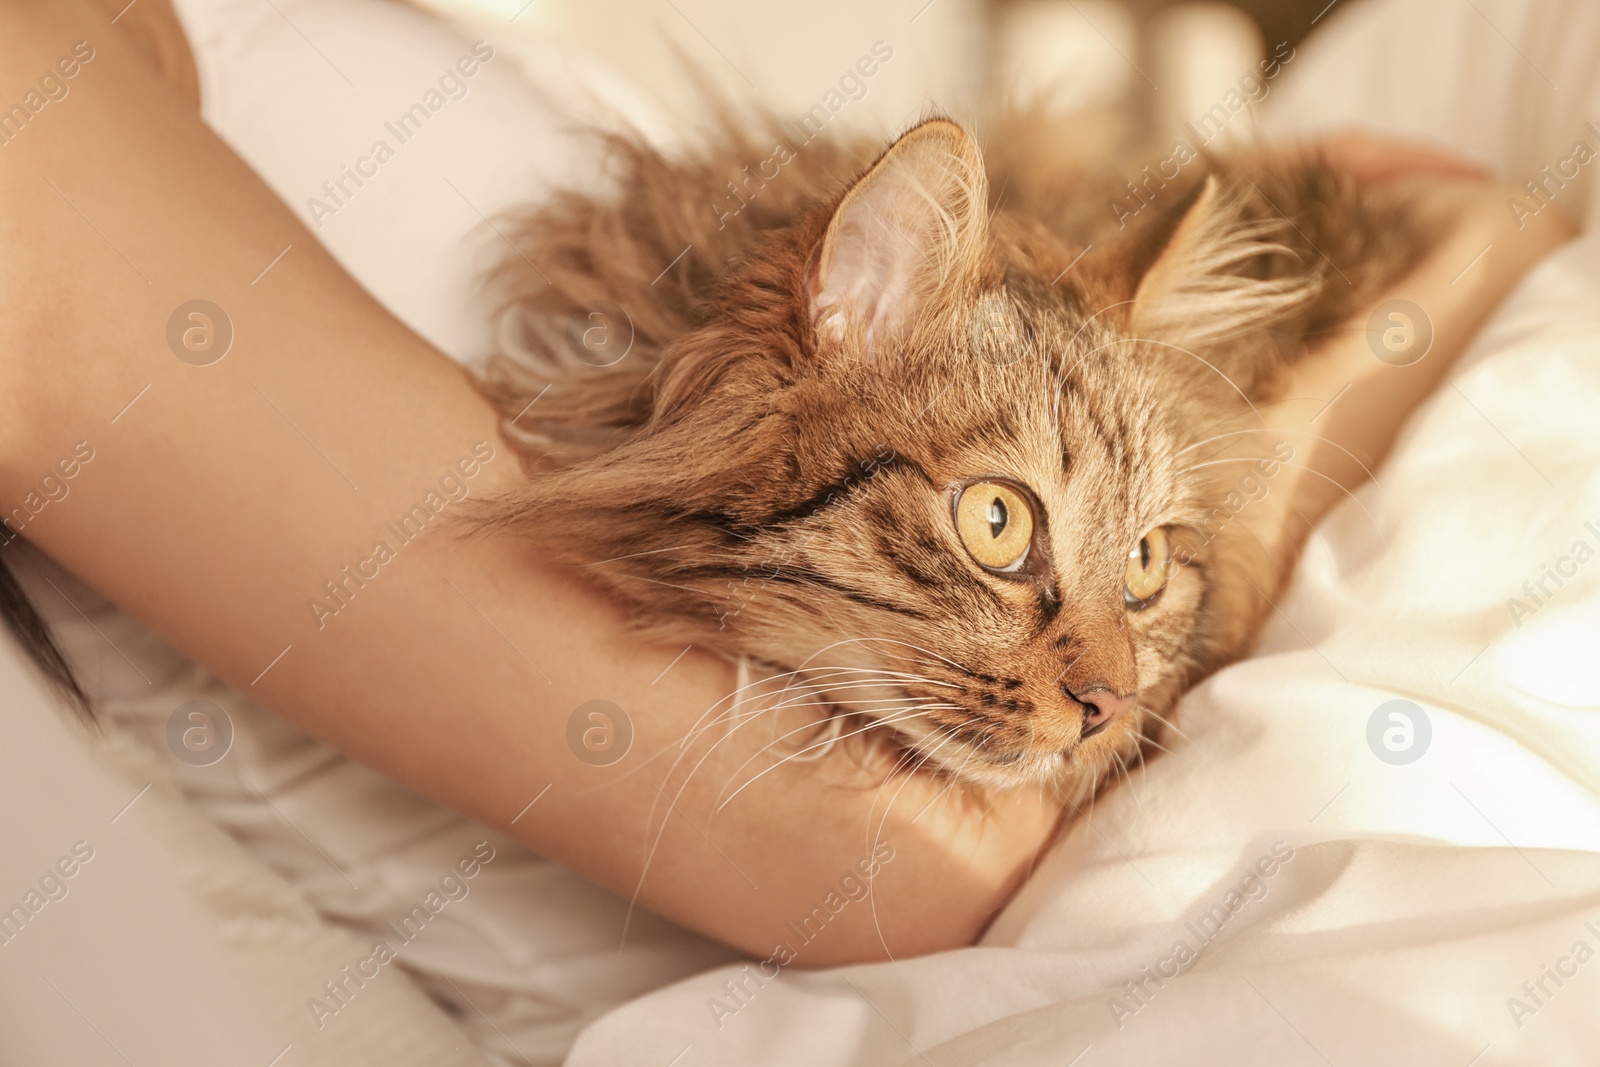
1376 158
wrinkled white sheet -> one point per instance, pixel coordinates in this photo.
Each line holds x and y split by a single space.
1273 891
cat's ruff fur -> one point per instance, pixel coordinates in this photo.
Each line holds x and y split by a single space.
767 471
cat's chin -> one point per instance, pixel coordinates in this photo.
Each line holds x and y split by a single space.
1075 774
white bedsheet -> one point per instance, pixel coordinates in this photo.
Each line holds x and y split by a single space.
1273 891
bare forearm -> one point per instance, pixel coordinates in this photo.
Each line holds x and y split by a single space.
1342 408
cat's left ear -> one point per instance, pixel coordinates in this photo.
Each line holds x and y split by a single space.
1205 285
916 222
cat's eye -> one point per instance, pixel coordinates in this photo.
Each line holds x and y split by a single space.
995 523
1149 564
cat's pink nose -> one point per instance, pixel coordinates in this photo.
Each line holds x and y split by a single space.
1101 707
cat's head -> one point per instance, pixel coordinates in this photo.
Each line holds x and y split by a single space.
908 451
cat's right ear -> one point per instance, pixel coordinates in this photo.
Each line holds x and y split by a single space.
914 224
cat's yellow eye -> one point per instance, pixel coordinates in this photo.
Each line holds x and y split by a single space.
995 523
1149 564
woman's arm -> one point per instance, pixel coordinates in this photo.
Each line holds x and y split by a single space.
220 499
1344 405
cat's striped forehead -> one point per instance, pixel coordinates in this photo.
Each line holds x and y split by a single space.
1073 412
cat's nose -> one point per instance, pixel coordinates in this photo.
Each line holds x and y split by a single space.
1101 707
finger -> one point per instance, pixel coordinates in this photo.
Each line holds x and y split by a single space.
1376 158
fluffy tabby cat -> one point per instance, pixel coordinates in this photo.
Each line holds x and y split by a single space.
891 424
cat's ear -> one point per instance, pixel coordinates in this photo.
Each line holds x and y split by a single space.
914 223
1204 286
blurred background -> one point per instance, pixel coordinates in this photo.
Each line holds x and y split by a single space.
1170 63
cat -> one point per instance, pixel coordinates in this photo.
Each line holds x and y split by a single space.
927 426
